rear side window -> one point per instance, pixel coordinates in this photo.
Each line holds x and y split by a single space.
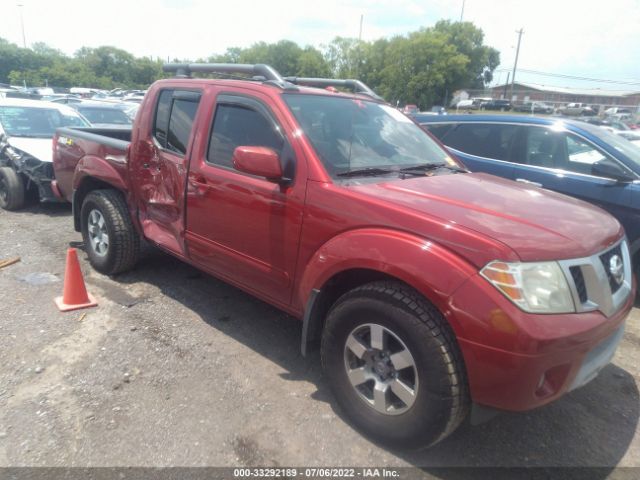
180 123
482 139
161 123
439 131
175 113
239 125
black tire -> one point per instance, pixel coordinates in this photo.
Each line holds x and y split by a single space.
123 248
12 189
441 399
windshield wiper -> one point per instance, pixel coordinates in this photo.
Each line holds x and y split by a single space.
417 169
361 172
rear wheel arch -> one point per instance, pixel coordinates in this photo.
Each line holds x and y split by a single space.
87 185
111 241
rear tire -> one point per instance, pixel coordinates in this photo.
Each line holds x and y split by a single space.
12 189
419 359
111 241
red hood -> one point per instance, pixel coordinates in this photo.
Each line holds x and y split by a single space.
536 224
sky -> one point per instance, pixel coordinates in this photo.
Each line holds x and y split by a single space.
584 38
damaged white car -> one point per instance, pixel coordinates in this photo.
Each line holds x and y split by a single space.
26 130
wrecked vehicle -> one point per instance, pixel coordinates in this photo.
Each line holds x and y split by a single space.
431 292
26 129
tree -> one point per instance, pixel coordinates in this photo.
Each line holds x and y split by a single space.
422 67
311 63
344 56
418 68
468 40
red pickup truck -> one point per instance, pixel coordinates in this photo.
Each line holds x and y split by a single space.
432 291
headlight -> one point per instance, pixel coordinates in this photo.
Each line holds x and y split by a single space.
539 287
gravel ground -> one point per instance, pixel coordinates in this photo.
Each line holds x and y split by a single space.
175 368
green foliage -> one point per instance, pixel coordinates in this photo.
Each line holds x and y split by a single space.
422 67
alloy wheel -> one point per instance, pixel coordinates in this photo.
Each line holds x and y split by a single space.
381 369
98 235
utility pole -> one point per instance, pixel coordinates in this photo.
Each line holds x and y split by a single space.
506 85
462 12
24 40
359 48
515 64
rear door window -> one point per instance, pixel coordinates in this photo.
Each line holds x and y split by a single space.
161 123
439 130
175 113
486 140
180 122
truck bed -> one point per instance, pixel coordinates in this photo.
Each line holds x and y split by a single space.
102 135
74 144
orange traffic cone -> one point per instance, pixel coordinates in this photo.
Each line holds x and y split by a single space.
75 294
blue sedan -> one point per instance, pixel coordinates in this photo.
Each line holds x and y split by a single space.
568 156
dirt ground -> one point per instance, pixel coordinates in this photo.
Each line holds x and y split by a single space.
175 368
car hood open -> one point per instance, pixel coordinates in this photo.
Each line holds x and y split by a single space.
536 224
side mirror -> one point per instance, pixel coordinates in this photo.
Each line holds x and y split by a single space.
608 169
259 161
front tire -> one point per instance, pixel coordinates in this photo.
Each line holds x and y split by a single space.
12 189
394 366
111 241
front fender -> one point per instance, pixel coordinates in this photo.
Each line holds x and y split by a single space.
426 266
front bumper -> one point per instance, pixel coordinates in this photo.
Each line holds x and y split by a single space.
518 361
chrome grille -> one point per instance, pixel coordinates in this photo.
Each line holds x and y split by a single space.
593 285
578 280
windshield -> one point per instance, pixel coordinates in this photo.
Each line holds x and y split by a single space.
350 134
37 122
621 144
105 115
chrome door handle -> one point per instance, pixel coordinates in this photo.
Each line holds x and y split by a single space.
528 182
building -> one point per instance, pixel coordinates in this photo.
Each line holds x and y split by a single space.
524 92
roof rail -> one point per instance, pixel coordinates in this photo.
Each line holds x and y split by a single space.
356 85
259 70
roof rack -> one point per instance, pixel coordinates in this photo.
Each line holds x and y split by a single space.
356 85
266 72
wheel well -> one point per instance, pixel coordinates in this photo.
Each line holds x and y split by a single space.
330 292
88 185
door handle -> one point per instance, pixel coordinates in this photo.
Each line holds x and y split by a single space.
199 180
199 184
528 182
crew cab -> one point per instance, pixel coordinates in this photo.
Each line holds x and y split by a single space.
432 291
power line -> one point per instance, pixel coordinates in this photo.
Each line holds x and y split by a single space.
574 77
